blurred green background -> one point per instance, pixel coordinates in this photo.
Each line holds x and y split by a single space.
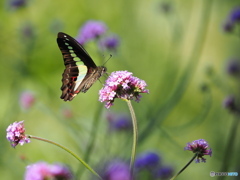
178 47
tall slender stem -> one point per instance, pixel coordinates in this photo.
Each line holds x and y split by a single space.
135 135
195 155
69 151
93 133
230 146
92 139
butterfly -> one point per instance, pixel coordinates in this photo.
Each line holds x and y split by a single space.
80 71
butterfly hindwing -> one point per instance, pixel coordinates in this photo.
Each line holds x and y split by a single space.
80 70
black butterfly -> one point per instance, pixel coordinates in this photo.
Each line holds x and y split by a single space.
80 72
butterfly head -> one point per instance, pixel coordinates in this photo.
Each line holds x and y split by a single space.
103 70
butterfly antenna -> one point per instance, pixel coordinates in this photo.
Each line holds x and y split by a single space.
107 59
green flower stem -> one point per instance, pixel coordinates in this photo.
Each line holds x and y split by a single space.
69 151
195 155
92 138
230 146
93 134
135 135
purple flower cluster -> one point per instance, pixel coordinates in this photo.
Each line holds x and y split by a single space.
91 30
121 84
201 148
147 160
42 170
96 30
16 134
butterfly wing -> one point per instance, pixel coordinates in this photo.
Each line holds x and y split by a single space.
80 69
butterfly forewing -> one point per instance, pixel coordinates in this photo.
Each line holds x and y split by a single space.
80 70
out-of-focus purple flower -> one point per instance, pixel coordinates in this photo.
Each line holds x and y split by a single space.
17 3
37 171
165 7
233 67
121 84
42 170
147 160
16 134
110 43
228 26
119 122
164 172
117 170
27 31
60 172
235 15
201 148
91 30
26 100
230 104
232 20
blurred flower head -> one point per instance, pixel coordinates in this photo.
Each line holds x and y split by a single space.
91 30
165 172
42 170
17 3
16 134
27 31
232 20
235 15
201 148
109 43
233 67
228 26
117 170
26 100
230 103
165 7
121 84
119 122
147 160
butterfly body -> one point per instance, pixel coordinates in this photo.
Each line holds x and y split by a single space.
80 71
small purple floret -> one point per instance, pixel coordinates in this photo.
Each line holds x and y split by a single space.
201 147
16 134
